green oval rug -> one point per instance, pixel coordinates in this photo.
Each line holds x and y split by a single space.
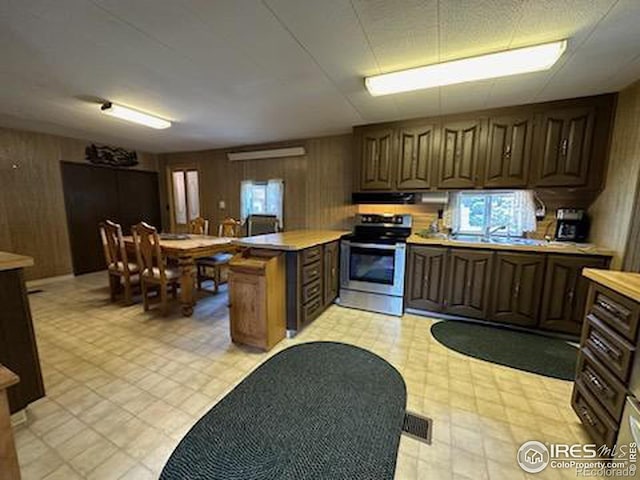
530 352
319 410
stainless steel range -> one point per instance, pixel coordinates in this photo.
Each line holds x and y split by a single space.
372 263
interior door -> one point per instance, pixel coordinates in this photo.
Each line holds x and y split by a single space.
94 194
138 199
469 273
91 196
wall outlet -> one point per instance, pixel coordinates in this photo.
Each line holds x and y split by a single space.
222 205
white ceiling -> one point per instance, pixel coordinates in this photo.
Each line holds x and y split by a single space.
231 72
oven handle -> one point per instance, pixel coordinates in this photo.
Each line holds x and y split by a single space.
376 246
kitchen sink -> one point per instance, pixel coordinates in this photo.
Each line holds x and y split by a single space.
497 240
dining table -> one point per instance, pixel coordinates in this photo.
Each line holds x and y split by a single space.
187 249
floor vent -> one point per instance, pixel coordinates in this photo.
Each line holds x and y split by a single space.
35 290
417 427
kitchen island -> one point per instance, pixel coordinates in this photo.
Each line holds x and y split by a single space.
312 259
18 350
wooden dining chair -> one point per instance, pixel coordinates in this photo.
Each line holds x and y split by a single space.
199 226
210 268
154 273
119 268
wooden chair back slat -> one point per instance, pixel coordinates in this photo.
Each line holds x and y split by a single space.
199 226
115 252
230 227
148 252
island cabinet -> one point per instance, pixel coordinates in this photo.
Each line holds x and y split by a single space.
565 292
517 287
312 283
559 144
608 353
527 289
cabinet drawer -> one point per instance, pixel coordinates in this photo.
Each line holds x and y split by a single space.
601 427
311 254
311 291
616 310
311 272
608 347
311 310
593 376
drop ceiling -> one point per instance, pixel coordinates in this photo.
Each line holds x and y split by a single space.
233 72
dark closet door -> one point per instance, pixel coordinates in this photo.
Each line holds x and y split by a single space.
94 194
91 196
138 199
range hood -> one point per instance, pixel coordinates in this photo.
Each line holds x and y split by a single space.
393 198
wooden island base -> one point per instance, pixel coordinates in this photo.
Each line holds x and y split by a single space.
9 468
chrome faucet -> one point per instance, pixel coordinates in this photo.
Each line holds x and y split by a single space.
490 231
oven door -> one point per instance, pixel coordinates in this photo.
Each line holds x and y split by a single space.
371 267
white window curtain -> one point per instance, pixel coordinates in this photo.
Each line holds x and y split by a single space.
275 200
274 204
524 211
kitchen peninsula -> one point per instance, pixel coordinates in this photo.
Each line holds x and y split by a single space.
312 270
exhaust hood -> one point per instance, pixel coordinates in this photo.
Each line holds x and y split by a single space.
390 198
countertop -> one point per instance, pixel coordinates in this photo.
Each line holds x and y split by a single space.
292 240
570 249
625 283
7 377
11 261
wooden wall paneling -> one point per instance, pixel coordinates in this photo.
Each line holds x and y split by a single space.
32 214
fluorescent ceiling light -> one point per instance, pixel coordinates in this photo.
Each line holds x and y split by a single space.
134 116
500 64
263 154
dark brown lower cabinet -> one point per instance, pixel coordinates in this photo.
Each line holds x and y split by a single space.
426 273
517 288
565 292
469 273
331 252
18 350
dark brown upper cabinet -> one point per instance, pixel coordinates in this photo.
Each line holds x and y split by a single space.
517 287
508 156
377 152
416 157
565 292
426 274
459 157
563 147
469 279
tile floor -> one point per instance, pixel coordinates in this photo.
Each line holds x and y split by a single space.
123 387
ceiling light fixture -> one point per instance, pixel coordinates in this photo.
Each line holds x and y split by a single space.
500 64
264 154
134 116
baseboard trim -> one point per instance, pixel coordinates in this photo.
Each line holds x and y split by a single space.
48 280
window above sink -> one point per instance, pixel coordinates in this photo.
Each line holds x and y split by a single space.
494 214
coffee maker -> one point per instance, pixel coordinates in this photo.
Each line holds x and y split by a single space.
572 225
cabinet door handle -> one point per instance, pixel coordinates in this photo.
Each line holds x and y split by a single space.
516 290
507 152
570 296
608 307
585 414
604 348
564 146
